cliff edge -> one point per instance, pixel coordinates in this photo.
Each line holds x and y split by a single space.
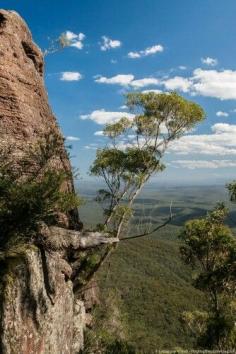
41 311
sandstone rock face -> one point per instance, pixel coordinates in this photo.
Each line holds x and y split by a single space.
25 115
37 317
39 311
24 111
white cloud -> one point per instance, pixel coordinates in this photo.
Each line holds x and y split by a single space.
209 61
154 91
72 138
70 35
103 117
195 164
134 55
154 49
222 114
113 61
144 82
75 40
120 79
70 76
99 133
81 36
221 142
127 80
212 83
224 128
158 48
209 83
182 67
123 106
77 44
177 83
109 43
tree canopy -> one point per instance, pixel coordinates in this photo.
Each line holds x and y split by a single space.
210 248
136 147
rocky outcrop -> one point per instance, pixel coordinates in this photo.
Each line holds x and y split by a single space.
42 309
25 115
37 317
24 110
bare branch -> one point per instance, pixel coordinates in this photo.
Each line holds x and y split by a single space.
153 230
58 238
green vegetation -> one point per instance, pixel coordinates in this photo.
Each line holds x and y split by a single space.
27 198
147 292
210 248
159 120
144 279
232 191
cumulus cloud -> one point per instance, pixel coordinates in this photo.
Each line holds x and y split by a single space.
103 117
99 133
209 61
221 142
134 55
120 79
195 164
212 83
182 67
152 90
144 82
72 138
127 80
108 43
177 83
222 114
75 40
209 83
224 128
71 76
158 48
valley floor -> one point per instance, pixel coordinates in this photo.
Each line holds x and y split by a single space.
144 286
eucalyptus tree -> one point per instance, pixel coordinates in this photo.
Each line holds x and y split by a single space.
136 149
210 248
232 191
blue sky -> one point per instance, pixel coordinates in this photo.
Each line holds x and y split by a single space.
120 46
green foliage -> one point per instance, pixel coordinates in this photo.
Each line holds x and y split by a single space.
196 321
119 347
232 191
152 283
32 191
109 330
220 330
87 264
137 146
172 110
210 248
154 289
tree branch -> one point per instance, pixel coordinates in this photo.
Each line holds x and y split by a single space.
58 238
152 231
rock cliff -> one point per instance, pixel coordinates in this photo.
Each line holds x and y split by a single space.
25 115
42 311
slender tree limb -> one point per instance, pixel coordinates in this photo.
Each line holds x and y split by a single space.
153 230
